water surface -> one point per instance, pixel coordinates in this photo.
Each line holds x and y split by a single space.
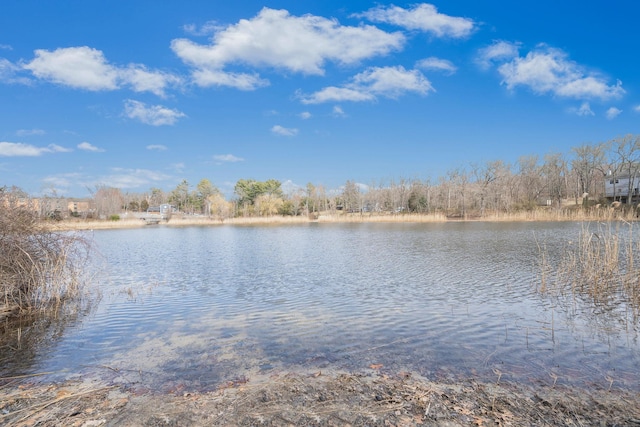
193 308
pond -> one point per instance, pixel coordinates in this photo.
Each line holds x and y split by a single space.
194 308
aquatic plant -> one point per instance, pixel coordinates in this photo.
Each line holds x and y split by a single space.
603 264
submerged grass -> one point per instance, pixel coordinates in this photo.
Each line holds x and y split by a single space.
603 265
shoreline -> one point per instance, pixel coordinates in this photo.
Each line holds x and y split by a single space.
317 399
188 221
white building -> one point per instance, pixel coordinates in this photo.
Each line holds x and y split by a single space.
621 187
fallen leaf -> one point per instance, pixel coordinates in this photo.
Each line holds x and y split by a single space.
376 365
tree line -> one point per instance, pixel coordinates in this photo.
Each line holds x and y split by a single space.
476 188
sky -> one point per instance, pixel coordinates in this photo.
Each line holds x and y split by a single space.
141 94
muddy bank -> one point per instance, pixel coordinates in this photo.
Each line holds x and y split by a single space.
318 399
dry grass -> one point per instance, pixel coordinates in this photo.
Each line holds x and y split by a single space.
40 268
541 214
603 265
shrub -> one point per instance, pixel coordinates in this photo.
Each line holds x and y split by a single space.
39 267
114 217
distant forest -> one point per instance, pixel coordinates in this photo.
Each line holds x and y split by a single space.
472 189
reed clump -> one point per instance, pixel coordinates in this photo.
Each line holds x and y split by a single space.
40 268
603 264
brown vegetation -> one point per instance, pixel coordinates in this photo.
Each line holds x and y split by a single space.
603 264
318 399
40 268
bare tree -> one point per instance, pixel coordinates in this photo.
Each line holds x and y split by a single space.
351 197
587 166
108 200
627 156
555 174
531 184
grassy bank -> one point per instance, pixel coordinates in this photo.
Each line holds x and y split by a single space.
542 214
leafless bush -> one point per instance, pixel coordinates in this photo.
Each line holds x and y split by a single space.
40 267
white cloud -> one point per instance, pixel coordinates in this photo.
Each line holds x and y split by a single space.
584 110
546 70
9 71
283 131
423 17
54 148
19 149
437 64
158 147
337 94
6 47
87 68
305 115
62 182
132 178
390 82
636 108
612 113
276 39
85 146
290 188
30 132
242 81
230 158
208 28
499 51
178 167
338 111
155 115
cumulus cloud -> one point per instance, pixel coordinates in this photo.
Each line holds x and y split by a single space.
157 147
423 17
85 146
612 113
437 64
547 70
276 39
283 131
227 158
390 82
19 149
155 115
87 68
305 115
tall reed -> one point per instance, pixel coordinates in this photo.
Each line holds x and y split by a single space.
602 265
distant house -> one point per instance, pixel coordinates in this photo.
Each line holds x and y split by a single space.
621 188
163 209
80 207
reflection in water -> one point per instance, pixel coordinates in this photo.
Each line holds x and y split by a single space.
194 307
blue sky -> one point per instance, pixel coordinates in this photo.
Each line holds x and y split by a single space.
141 94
